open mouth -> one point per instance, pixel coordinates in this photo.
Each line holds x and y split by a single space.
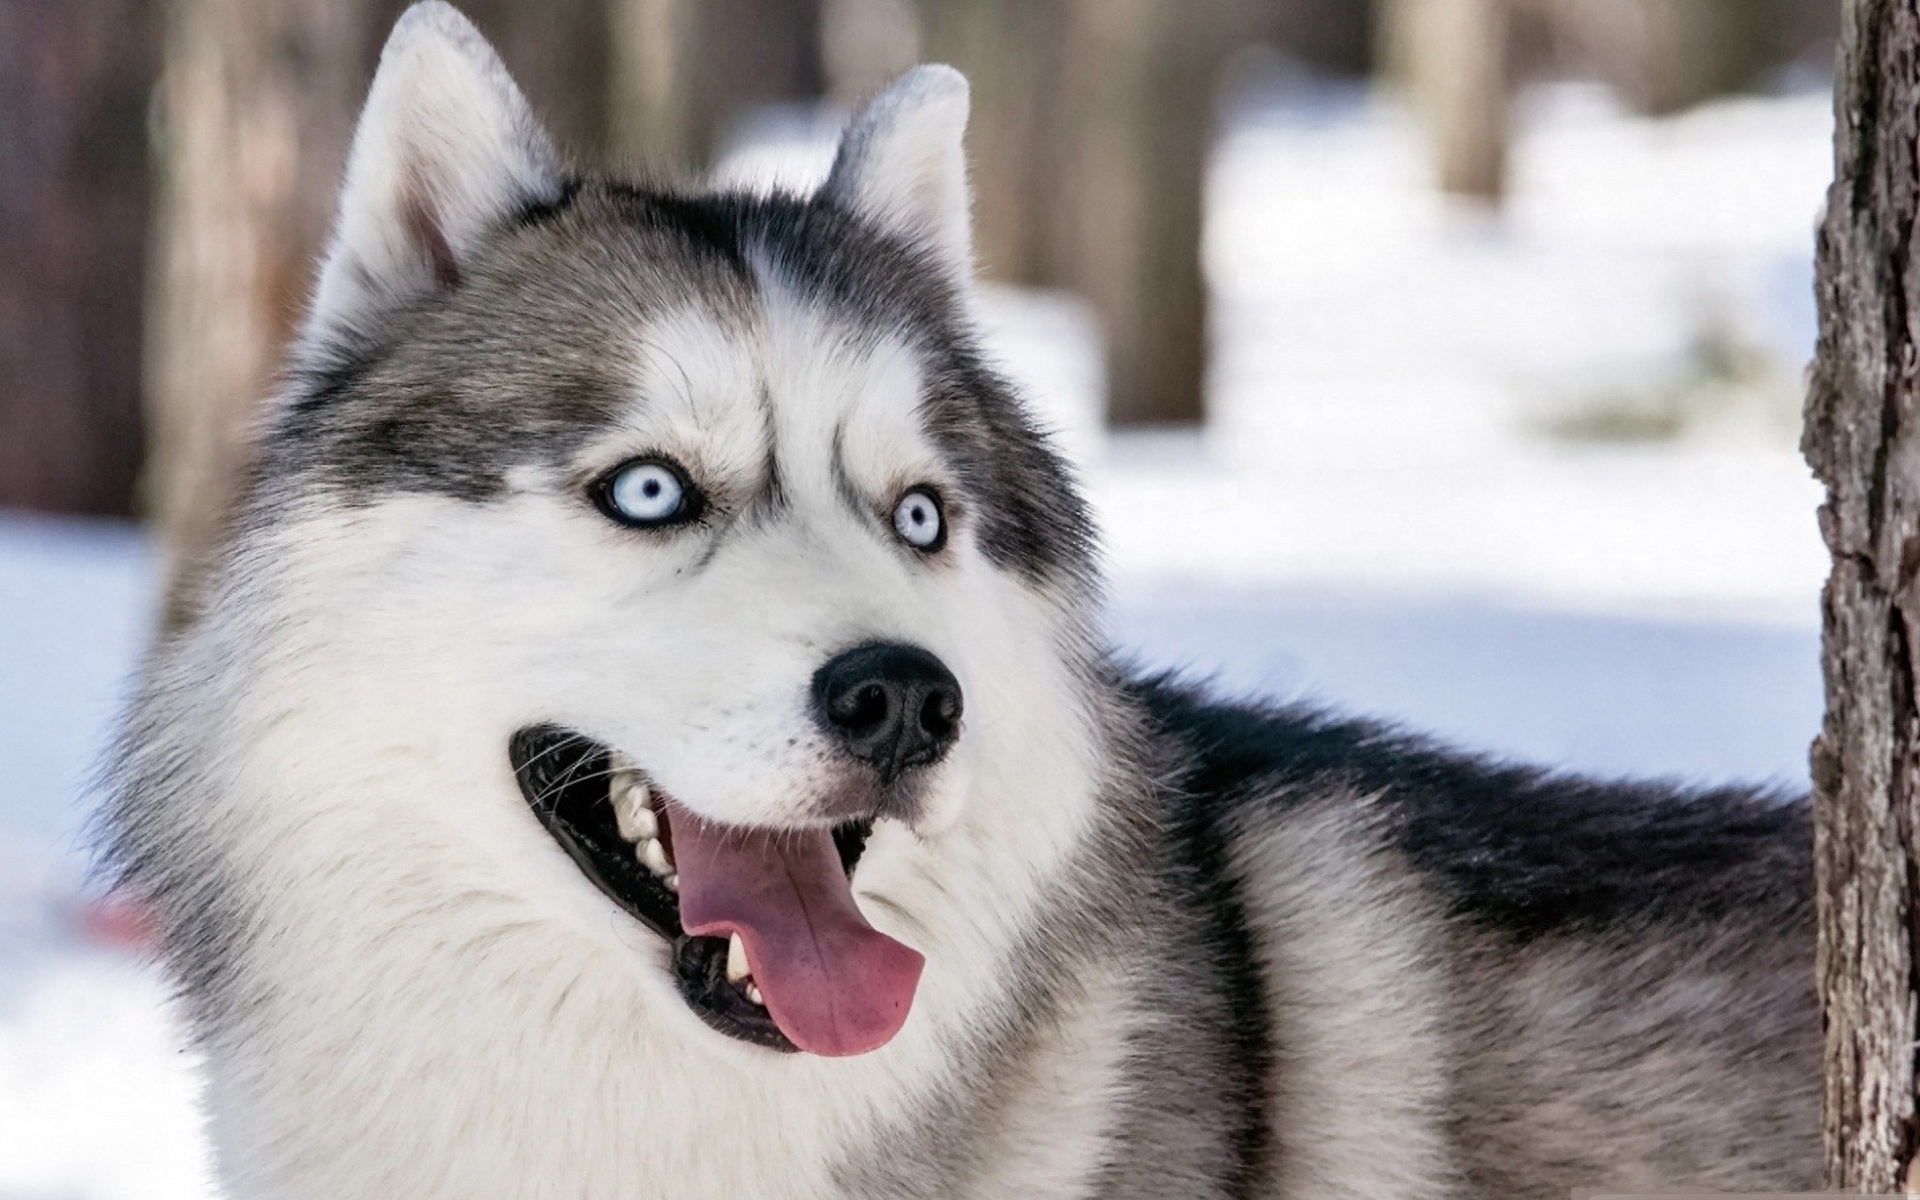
768 945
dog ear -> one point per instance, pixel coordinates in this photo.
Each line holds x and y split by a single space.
446 149
902 164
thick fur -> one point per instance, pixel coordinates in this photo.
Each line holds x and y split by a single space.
1175 947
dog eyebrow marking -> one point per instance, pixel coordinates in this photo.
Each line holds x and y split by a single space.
772 496
843 483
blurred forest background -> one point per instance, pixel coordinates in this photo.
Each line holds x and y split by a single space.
167 167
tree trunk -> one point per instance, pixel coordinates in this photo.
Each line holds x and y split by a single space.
1011 52
74 82
865 44
1341 39
1144 77
558 51
257 100
1863 441
682 70
1451 57
1662 56
1089 140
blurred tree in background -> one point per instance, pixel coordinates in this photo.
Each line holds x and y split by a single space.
684 70
1089 142
1662 56
254 113
74 81
213 179
1453 57
1460 61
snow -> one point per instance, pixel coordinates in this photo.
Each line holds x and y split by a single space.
1373 519
1381 360
97 1095
75 599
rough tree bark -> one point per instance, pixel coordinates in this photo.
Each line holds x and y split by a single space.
1863 440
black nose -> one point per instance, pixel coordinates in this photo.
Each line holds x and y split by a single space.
893 707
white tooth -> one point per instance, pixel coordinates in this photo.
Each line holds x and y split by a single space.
753 993
654 856
636 821
645 825
672 880
737 965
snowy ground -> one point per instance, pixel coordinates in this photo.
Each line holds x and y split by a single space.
1374 520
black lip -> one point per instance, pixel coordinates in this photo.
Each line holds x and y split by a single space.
564 779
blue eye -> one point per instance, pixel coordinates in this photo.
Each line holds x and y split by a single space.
919 521
648 493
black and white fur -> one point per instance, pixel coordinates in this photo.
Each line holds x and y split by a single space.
1174 947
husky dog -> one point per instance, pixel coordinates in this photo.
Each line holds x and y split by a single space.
649 735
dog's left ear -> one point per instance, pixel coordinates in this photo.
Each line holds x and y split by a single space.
902 165
445 152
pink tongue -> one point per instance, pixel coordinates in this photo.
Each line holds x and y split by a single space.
834 984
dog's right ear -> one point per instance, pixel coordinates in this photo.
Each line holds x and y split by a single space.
902 165
446 150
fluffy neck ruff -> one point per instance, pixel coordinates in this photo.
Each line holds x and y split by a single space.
389 958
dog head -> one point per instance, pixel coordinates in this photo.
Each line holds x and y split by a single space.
702 506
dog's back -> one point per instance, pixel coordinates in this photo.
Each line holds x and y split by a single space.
1489 981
